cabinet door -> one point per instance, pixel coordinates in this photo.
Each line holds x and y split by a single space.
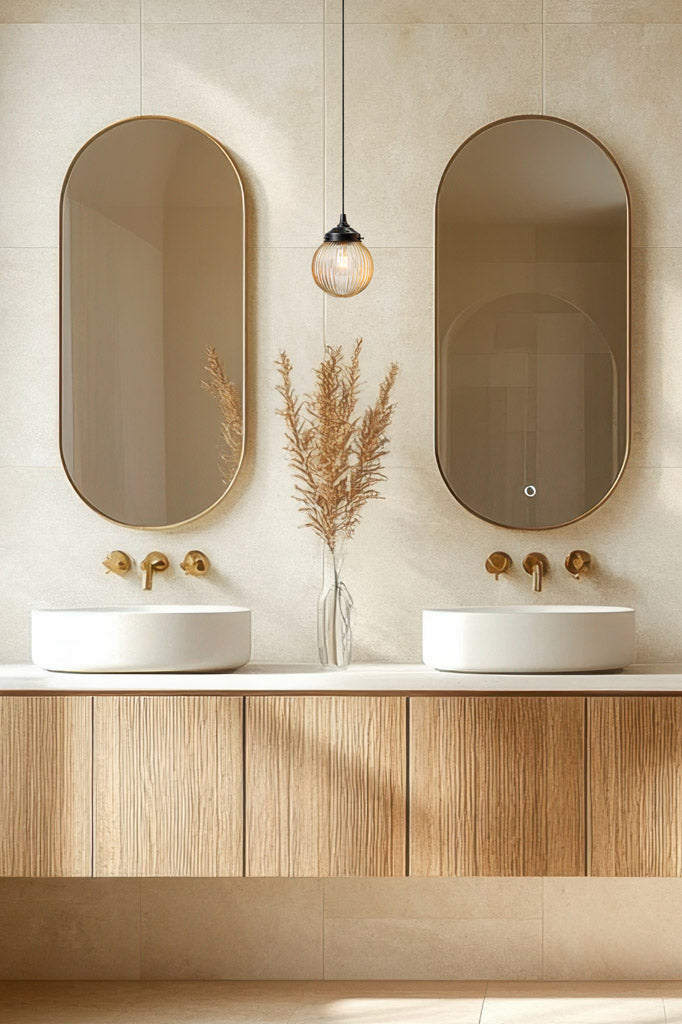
636 786
45 786
168 786
325 786
497 786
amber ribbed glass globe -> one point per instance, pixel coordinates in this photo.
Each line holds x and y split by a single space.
342 268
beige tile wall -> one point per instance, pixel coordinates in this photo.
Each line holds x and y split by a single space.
462 929
264 77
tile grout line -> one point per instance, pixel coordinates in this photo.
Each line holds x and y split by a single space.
485 996
141 52
543 56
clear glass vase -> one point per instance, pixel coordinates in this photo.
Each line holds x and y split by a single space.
334 636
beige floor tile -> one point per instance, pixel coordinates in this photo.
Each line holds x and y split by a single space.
617 81
612 928
395 163
437 949
623 11
397 1003
61 84
69 928
43 11
28 341
258 89
522 1003
231 928
453 898
436 11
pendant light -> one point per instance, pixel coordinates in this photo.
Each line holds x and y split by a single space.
342 266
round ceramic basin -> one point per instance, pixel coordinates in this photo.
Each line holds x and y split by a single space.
161 638
542 638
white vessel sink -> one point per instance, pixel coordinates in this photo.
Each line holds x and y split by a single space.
151 638
532 638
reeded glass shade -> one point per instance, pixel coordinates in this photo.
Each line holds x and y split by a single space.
342 268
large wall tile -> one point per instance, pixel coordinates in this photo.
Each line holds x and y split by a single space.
436 11
259 90
233 11
71 11
60 85
616 928
394 316
414 93
621 82
432 948
231 928
623 11
656 357
455 898
70 928
29 356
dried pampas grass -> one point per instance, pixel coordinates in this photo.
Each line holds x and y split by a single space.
226 395
335 454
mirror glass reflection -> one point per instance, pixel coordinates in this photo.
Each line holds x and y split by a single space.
532 326
152 322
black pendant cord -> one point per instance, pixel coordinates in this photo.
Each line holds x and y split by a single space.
343 108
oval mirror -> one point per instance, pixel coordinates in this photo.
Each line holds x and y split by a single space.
152 322
532 323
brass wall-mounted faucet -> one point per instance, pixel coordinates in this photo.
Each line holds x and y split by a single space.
577 563
155 561
195 563
498 563
537 566
117 562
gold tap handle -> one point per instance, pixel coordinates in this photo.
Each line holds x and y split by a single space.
578 562
195 563
117 562
497 563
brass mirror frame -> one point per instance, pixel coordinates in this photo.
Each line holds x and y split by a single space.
628 317
62 196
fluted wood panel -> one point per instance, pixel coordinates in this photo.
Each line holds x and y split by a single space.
636 786
325 786
497 786
45 786
168 786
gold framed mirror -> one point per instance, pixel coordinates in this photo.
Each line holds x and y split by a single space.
152 339
532 334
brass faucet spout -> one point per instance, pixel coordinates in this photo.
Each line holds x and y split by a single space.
155 561
536 565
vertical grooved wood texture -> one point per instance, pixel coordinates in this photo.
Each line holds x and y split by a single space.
45 786
325 786
636 786
168 786
497 786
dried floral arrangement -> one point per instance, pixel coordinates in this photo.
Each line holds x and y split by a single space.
335 453
226 395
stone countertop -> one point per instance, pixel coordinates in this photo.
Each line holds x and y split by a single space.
387 679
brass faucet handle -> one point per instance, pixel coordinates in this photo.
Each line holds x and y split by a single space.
155 561
117 562
537 566
578 562
498 563
195 563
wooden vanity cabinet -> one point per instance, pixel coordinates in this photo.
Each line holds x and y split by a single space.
168 786
325 786
45 786
635 800
497 785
